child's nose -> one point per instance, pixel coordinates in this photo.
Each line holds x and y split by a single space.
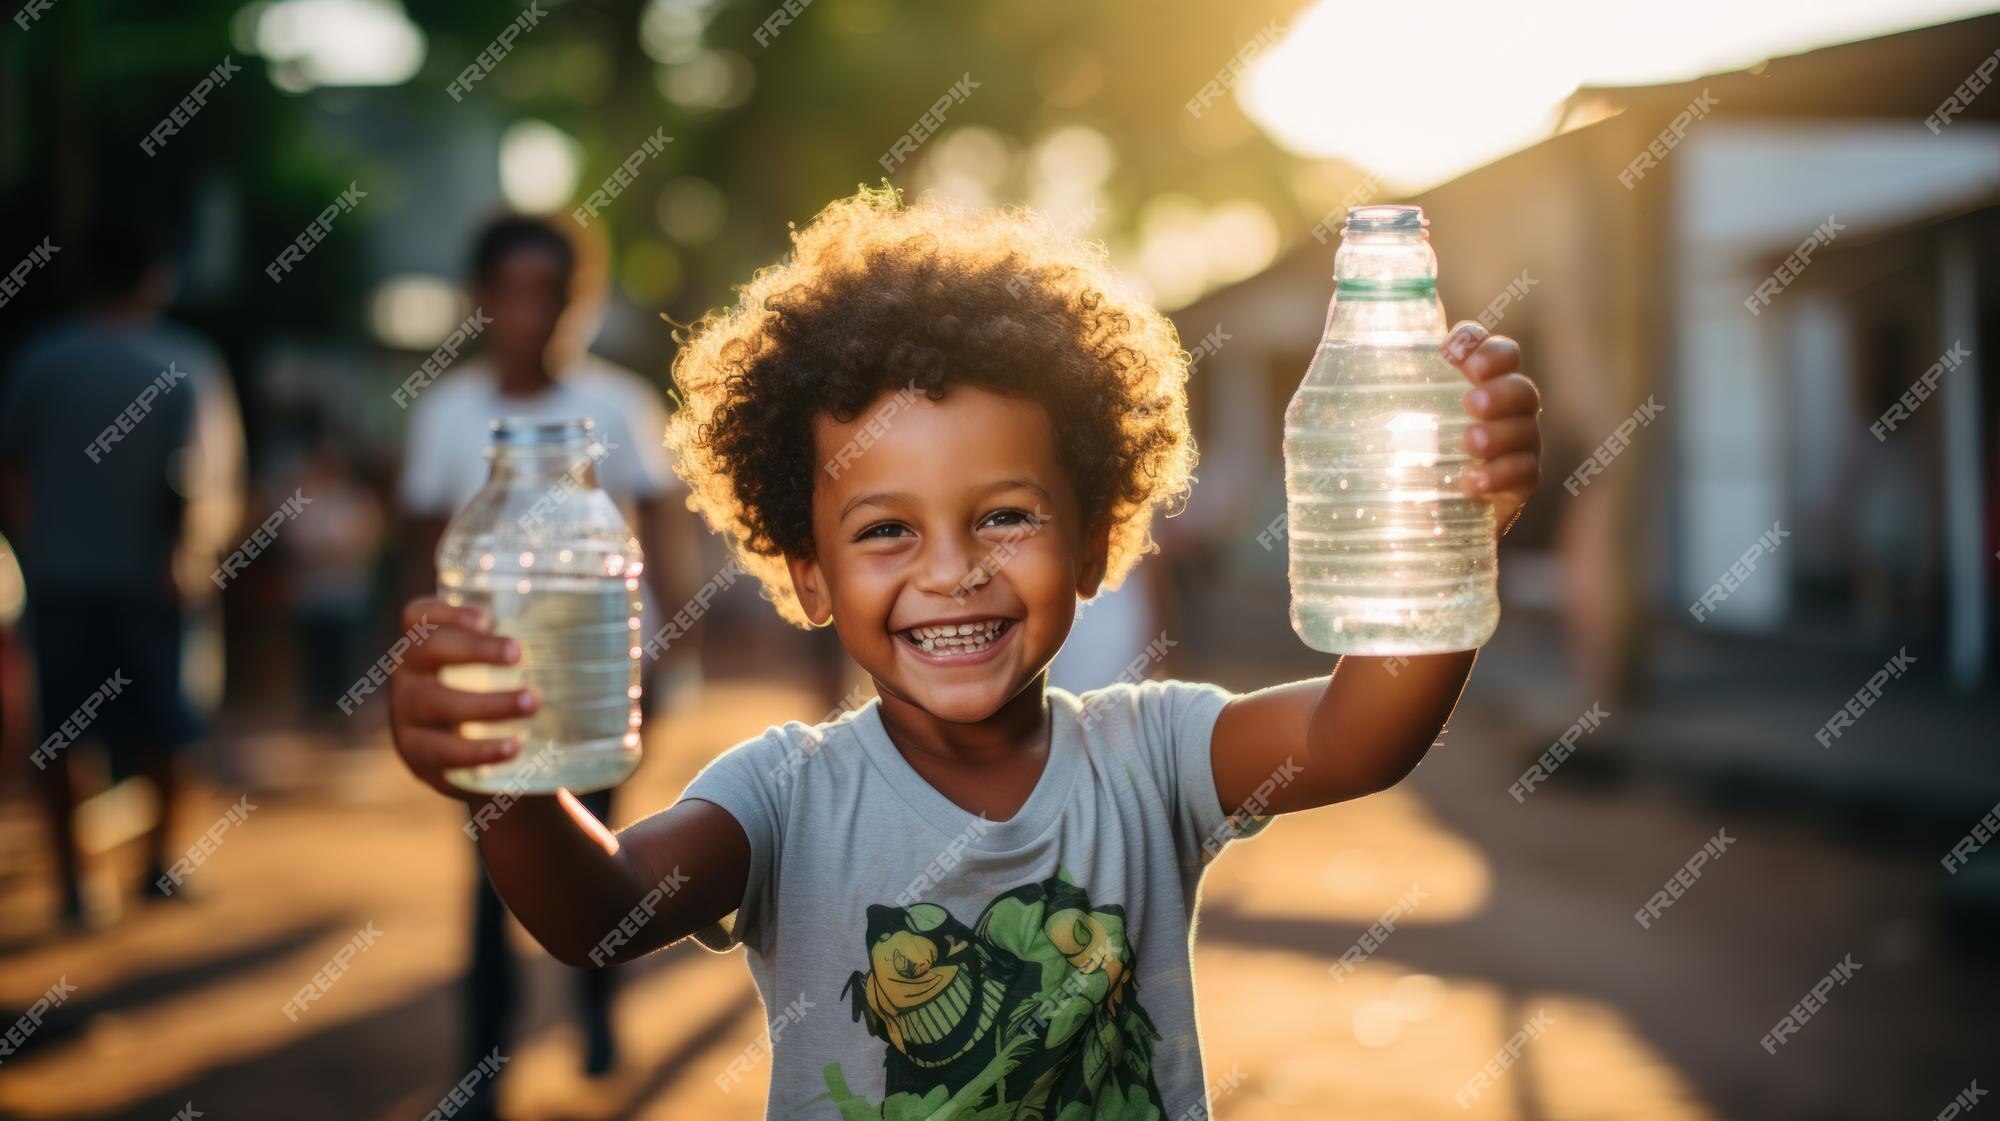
949 565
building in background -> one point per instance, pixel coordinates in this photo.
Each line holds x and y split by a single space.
1628 244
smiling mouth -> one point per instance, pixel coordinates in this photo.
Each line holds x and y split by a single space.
947 640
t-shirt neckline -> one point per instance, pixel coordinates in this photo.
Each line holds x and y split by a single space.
1029 824
550 394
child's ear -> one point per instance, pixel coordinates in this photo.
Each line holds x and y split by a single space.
1096 559
810 590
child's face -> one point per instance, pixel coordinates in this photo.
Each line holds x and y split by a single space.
928 513
525 296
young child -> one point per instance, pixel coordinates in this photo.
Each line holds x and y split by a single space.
938 430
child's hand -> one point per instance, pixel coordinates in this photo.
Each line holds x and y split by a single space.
1505 441
424 714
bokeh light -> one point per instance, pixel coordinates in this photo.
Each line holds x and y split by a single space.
539 166
414 311
691 210
313 43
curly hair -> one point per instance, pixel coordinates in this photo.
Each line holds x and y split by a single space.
877 296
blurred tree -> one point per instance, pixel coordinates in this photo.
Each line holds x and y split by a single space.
773 111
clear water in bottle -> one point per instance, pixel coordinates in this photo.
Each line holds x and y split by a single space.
1387 555
548 556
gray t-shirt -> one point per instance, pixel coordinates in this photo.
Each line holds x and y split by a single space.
98 415
910 954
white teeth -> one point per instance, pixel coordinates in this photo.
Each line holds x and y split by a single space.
957 630
957 638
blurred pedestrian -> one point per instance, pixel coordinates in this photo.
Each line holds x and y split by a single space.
333 556
95 433
538 292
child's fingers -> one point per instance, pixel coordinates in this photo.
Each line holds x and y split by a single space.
424 702
428 749
1494 438
1463 340
1515 472
1504 396
1479 354
454 645
1495 357
432 610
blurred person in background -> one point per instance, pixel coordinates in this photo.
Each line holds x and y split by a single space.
333 557
212 476
541 292
98 418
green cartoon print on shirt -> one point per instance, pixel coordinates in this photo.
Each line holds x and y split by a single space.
1030 1014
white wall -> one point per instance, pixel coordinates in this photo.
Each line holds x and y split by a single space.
1744 193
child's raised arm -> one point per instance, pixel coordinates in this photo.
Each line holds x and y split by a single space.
1364 728
590 898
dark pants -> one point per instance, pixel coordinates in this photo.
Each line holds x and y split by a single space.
108 666
125 649
332 645
492 989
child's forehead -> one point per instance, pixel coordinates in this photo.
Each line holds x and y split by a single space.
907 414
905 437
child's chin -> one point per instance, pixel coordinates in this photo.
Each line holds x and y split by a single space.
961 705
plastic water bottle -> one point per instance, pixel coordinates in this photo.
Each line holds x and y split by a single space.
545 552
1388 556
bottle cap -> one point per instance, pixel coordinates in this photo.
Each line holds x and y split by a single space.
529 432
1385 220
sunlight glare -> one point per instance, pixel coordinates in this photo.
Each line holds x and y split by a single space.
1449 85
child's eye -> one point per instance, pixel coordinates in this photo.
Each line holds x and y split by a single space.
881 530
1010 518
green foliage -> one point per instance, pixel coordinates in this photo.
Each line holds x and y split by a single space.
823 99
